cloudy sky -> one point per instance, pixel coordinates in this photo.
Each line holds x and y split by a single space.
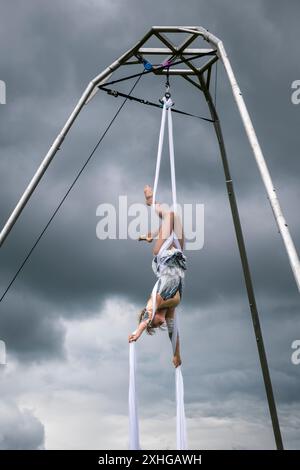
66 319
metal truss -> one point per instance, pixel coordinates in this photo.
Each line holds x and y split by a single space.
200 77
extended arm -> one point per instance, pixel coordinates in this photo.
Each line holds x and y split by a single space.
140 329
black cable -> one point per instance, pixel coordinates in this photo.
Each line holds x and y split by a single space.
69 190
116 94
168 78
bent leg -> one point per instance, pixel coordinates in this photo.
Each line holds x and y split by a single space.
165 231
178 229
159 305
163 304
172 302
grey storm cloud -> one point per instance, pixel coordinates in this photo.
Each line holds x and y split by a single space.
20 429
49 53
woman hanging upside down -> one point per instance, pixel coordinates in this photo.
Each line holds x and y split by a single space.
169 265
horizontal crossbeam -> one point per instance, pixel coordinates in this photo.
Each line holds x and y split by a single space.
166 51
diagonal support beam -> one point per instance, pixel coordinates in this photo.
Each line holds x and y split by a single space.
86 96
179 51
262 166
246 269
256 149
208 77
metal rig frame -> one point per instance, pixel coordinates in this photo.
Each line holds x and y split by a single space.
201 80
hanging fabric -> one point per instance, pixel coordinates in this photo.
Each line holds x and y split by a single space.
134 441
181 434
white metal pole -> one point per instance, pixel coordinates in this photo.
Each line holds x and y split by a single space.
262 166
257 152
87 94
52 151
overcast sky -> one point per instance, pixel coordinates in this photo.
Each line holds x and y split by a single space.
66 319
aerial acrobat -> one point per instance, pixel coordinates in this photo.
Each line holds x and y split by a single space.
169 264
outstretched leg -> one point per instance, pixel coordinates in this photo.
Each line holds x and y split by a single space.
170 324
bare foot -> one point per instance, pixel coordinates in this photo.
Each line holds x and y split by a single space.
148 238
177 361
148 195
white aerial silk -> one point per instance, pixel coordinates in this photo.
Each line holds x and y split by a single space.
134 440
181 434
